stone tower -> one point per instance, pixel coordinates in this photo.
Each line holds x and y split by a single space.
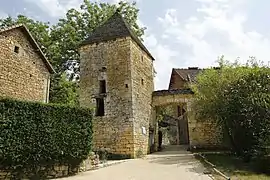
117 81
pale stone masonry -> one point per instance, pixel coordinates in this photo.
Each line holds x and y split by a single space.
24 70
117 80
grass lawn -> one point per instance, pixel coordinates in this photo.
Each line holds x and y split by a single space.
235 168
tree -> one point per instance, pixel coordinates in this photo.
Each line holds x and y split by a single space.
247 109
39 30
237 97
70 31
63 91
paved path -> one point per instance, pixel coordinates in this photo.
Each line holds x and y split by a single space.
174 163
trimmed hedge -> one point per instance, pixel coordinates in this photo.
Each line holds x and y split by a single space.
34 135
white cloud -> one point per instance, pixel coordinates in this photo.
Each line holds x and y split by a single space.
217 28
163 59
56 8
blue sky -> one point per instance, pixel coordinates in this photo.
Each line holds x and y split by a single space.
181 33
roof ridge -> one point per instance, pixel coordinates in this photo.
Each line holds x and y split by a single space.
123 29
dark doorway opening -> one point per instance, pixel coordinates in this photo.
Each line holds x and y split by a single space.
182 126
100 110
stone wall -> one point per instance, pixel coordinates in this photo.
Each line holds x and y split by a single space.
203 134
109 61
128 72
112 134
176 81
142 74
23 74
57 171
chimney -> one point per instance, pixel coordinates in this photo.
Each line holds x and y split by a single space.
193 68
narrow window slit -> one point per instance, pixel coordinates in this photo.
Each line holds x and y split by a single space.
16 49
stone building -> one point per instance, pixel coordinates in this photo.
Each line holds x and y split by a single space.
24 70
180 78
178 99
117 81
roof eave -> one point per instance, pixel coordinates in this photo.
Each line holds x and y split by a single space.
84 43
45 60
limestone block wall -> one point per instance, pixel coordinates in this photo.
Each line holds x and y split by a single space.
23 74
203 134
109 61
61 170
109 133
142 88
176 81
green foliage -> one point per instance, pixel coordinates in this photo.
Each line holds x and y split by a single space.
70 31
238 98
60 42
64 91
163 111
247 112
34 135
139 153
39 30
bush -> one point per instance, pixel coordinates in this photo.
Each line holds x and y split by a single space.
247 114
237 98
34 135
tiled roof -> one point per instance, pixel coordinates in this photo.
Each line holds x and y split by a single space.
114 27
188 74
32 41
172 91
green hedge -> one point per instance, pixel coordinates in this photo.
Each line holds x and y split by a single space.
36 134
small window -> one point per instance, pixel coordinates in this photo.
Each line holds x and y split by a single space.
103 69
100 111
16 49
179 111
142 82
126 85
102 86
142 57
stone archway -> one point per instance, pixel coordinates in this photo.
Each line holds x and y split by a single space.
179 100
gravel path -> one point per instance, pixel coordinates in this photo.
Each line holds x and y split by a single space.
174 163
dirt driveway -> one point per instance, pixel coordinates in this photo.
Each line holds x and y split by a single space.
174 163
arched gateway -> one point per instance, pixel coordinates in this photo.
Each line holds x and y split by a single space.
178 101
